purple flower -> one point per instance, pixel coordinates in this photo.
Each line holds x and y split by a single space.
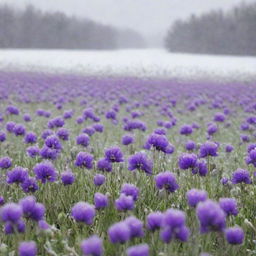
10 228
43 225
140 161
208 149
241 176
53 142
27 118
5 162
186 129
190 145
1 201
124 203
46 133
119 233
11 212
154 220
63 134
194 196
100 201
160 143
89 131
166 180
45 171
92 246
211 217
12 110
173 218
2 136
68 114
114 154
98 127
187 161
84 159
229 148
224 180
219 117
136 226
67 178
173 226
83 139
27 249
229 206
29 185
127 140
83 212
33 151
130 190
234 235
17 175
99 179
212 128
245 138
202 168
104 165
138 250
135 124
30 138
31 209
56 122
49 153
19 130
10 126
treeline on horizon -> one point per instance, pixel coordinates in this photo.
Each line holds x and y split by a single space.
32 28
216 32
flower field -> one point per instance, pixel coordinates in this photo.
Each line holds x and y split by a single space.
126 166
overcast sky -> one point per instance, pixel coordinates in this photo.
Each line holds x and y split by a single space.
150 17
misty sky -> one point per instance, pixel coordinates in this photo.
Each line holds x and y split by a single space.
150 17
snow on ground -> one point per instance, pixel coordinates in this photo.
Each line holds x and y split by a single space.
139 63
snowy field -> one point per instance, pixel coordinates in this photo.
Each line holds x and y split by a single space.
139 63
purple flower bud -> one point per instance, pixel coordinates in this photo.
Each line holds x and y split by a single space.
17 175
100 201
166 180
130 190
45 171
211 217
140 161
83 139
11 212
5 162
229 206
67 178
241 176
154 220
194 196
114 154
92 246
83 212
138 250
99 179
124 203
119 233
234 235
84 159
27 249
104 165
136 226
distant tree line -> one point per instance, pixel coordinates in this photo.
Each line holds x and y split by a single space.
216 32
32 28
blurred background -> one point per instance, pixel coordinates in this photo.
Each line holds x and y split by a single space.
194 26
